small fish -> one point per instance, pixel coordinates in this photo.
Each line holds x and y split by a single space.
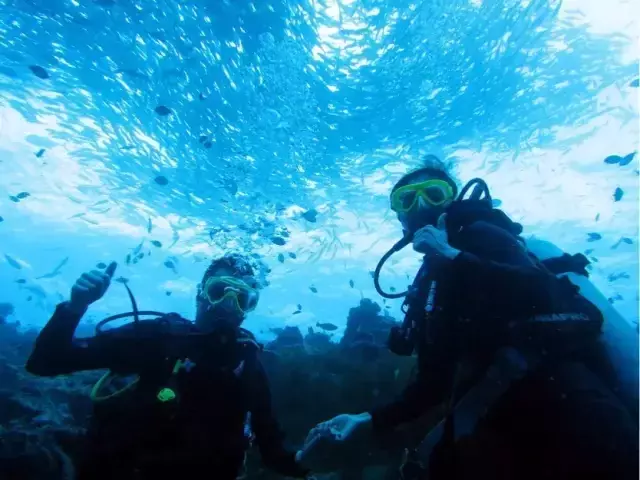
278 241
615 298
296 312
163 111
149 226
617 276
156 243
612 159
313 289
299 307
13 262
330 327
291 254
281 258
101 265
618 194
122 280
29 298
203 138
127 147
138 248
140 256
392 289
127 260
167 293
597 217
21 281
201 97
310 215
351 284
13 198
207 144
39 72
626 240
40 152
627 159
77 215
1 219
592 237
23 195
56 271
161 180
169 264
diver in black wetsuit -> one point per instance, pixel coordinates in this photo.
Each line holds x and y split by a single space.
189 397
507 347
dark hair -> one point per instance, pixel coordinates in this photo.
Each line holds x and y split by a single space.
432 166
239 264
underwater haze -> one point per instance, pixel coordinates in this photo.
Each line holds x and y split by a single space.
161 134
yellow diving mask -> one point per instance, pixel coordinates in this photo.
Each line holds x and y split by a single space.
434 192
219 289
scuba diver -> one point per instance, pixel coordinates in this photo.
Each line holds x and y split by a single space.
534 380
180 399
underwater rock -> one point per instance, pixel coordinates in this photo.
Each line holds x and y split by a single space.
365 319
289 337
6 309
316 342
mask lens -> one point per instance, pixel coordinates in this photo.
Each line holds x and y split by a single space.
406 200
435 195
218 288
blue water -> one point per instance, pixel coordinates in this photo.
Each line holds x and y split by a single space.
274 109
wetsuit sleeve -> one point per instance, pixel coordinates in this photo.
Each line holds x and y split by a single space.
269 437
57 352
429 389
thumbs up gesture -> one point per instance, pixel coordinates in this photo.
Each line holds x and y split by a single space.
90 287
433 242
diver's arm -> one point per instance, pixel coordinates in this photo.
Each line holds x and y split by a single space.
57 352
427 391
508 289
269 437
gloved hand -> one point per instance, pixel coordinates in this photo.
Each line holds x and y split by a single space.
90 287
337 442
433 242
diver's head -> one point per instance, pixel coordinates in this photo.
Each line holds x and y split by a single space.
423 194
228 291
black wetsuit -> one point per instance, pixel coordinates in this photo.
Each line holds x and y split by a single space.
199 434
559 422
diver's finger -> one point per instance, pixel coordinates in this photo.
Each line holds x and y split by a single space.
84 284
442 222
111 269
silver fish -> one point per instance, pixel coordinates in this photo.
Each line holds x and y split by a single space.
56 271
13 262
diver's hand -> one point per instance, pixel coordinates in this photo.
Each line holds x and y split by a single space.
433 242
334 443
90 287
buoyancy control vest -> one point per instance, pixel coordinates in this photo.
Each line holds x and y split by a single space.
489 234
